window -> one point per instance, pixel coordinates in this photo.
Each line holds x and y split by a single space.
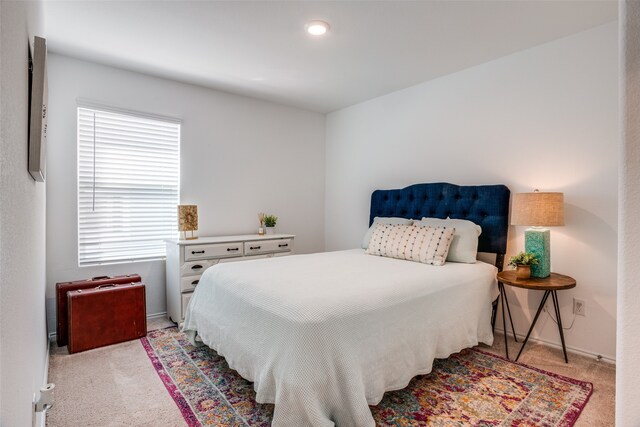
128 185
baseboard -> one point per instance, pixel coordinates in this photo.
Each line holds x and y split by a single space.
156 315
45 379
570 349
53 336
40 418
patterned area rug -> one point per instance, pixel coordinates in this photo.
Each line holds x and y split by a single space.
470 388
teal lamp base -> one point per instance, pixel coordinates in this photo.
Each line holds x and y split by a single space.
537 241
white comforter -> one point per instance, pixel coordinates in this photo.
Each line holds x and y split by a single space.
325 335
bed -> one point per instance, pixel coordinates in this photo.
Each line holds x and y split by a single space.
325 335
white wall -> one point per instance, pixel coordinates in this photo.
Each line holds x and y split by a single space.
23 338
628 362
542 118
239 156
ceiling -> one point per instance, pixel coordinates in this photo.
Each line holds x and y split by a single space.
261 49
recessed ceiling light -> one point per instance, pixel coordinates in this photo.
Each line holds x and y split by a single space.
317 28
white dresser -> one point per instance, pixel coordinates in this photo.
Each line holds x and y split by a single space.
188 259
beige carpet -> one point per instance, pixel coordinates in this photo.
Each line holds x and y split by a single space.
118 386
109 386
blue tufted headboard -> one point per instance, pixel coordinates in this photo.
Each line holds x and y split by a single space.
486 205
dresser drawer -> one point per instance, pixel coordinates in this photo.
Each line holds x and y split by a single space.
254 256
196 267
188 284
236 259
267 246
218 250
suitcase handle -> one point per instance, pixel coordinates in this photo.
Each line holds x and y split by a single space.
106 286
99 277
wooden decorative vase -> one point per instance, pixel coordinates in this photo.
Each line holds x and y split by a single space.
523 271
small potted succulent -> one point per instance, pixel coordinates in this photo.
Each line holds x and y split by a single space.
523 262
270 223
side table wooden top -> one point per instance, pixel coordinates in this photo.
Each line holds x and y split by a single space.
554 282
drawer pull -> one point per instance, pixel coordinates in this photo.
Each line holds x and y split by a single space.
196 252
196 267
283 245
232 249
195 282
253 248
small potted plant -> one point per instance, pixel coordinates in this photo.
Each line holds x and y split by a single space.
523 262
270 223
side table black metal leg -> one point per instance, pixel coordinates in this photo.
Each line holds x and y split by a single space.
504 318
556 306
535 319
509 311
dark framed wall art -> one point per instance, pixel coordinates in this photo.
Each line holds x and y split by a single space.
38 94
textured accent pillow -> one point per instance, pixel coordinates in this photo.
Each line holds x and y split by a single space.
464 247
428 245
382 220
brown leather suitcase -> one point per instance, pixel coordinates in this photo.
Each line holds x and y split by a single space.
106 315
61 298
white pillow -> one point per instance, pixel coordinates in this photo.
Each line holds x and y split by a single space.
428 245
382 220
464 247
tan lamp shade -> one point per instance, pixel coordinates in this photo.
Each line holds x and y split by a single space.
187 217
538 209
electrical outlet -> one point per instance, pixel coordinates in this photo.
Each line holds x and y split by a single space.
579 307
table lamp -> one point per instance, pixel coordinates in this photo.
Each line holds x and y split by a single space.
538 210
188 220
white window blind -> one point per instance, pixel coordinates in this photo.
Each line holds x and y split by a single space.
128 186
